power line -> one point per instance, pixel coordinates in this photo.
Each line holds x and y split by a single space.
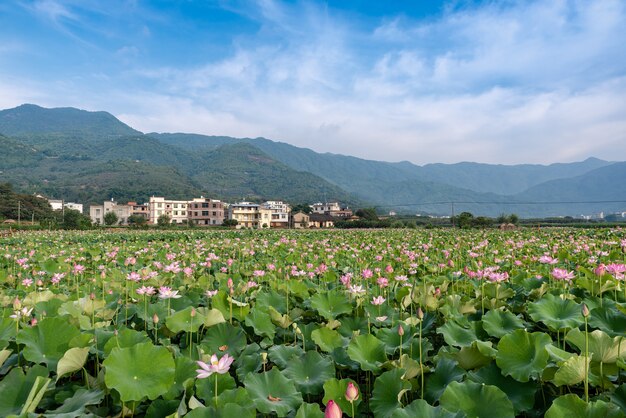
552 202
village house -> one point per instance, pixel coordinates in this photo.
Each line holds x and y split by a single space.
275 214
97 212
245 213
176 210
204 212
56 204
331 208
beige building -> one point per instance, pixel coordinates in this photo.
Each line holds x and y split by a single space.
246 214
274 214
97 212
175 209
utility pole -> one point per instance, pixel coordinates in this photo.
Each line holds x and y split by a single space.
19 211
452 214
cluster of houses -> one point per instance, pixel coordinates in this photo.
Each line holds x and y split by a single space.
210 212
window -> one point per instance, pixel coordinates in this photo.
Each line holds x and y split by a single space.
184 213
195 214
205 213
205 205
159 205
175 213
214 213
214 205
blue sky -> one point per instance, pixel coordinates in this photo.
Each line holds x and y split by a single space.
423 80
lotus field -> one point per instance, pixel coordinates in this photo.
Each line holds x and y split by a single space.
393 323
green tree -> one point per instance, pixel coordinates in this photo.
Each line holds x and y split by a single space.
110 218
73 219
367 213
465 220
137 220
301 207
230 222
514 219
164 220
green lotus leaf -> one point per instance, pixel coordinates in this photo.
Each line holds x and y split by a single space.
143 370
309 410
388 390
211 316
7 331
572 371
522 395
75 406
224 338
260 320
421 408
477 400
609 320
162 408
331 304
272 392
4 355
283 355
182 321
310 372
15 388
556 313
47 341
470 358
391 339
222 303
557 354
368 351
205 388
272 298
183 377
446 372
523 355
604 348
327 339
618 397
228 410
249 360
282 320
125 338
459 335
73 360
336 390
571 406
498 323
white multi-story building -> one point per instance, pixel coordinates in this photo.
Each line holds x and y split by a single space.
325 207
56 204
175 209
274 214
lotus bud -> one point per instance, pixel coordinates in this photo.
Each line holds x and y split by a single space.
33 322
400 330
155 319
352 392
92 296
585 310
193 312
332 410
17 303
420 313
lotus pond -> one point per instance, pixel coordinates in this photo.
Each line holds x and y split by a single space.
393 323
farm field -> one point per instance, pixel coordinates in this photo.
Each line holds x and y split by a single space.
389 323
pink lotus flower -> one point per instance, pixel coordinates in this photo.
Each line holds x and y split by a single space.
210 293
546 259
332 410
352 392
220 366
167 293
378 300
562 274
78 268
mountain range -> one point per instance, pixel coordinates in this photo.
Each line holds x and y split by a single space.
92 156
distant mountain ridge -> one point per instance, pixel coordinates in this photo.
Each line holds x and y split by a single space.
90 156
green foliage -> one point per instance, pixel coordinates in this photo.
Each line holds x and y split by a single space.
110 218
